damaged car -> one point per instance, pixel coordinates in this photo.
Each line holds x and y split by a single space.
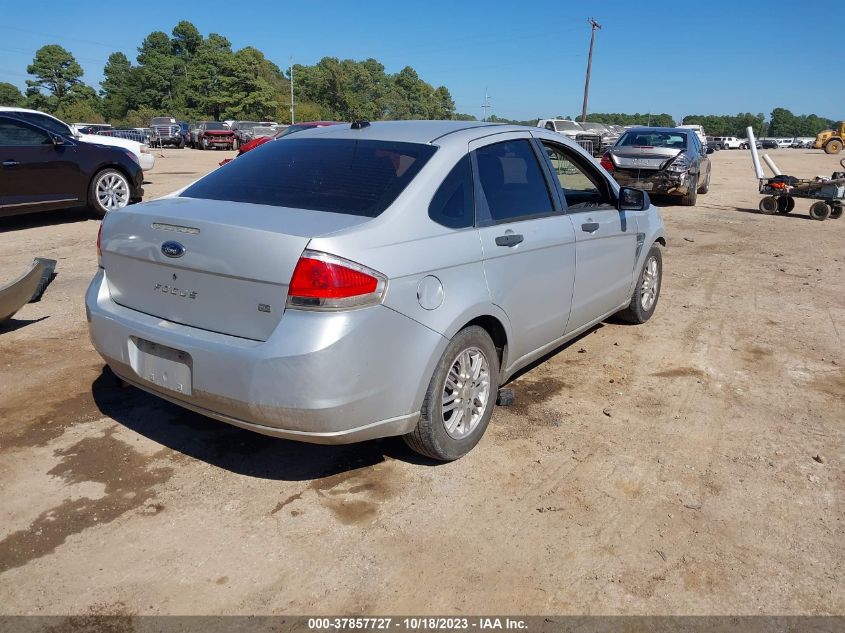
661 160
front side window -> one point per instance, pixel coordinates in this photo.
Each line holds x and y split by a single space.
512 182
14 134
354 177
452 204
582 187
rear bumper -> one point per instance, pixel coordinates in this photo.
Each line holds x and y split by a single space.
665 182
332 377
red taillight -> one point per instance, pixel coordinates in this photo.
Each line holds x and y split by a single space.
99 245
325 281
606 162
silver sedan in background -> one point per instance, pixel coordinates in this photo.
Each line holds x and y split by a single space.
361 281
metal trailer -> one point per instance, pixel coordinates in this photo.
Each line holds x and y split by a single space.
782 191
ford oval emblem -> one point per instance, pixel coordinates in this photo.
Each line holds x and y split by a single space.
172 249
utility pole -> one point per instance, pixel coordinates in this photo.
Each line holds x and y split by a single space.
486 105
595 25
291 91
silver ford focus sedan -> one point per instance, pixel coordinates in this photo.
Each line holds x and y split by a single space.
368 280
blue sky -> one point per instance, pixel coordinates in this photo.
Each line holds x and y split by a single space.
716 57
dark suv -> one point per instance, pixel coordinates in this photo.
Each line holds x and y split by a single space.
243 131
167 131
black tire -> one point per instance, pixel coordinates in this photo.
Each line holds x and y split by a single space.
690 197
94 202
706 186
181 144
836 211
203 144
819 211
635 312
786 204
769 205
833 146
430 437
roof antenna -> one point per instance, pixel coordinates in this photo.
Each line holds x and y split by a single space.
359 124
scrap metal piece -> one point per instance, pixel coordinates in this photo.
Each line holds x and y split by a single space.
16 294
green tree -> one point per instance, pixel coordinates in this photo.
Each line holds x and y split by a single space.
119 87
207 84
247 92
10 96
158 74
55 70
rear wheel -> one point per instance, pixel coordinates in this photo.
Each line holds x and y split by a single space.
647 290
706 186
833 146
769 205
819 211
460 398
786 204
692 195
109 190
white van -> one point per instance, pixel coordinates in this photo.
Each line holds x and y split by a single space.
784 142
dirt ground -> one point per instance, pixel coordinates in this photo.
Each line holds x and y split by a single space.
692 465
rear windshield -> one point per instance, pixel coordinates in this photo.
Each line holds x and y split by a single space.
337 175
215 126
673 140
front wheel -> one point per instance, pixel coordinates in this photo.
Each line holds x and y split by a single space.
833 147
769 205
647 290
109 190
836 211
460 398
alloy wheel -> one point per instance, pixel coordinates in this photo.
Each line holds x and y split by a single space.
466 393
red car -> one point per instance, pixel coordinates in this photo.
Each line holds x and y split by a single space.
291 129
215 134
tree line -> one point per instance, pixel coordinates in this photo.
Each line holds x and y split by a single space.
193 77
781 123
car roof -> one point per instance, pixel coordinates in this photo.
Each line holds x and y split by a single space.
644 128
408 131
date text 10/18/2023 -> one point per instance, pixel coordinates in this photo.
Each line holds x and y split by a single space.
416 623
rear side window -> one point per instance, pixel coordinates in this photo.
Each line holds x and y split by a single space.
512 182
452 204
337 175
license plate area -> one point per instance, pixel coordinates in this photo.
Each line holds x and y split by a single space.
160 365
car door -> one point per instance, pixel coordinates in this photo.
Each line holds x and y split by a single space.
606 239
527 241
35 172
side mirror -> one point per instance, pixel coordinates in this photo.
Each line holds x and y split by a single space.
633 199
57 139
710 150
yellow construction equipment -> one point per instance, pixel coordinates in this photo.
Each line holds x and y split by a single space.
831 141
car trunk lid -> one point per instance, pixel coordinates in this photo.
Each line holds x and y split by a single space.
643 157
214 265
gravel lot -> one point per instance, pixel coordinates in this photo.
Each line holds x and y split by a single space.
693 465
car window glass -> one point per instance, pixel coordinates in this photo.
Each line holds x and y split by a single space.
511 181
582 188
15 134
46 122
452 204
355 177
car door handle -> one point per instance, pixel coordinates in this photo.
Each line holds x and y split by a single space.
10 163
590 227
509 239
